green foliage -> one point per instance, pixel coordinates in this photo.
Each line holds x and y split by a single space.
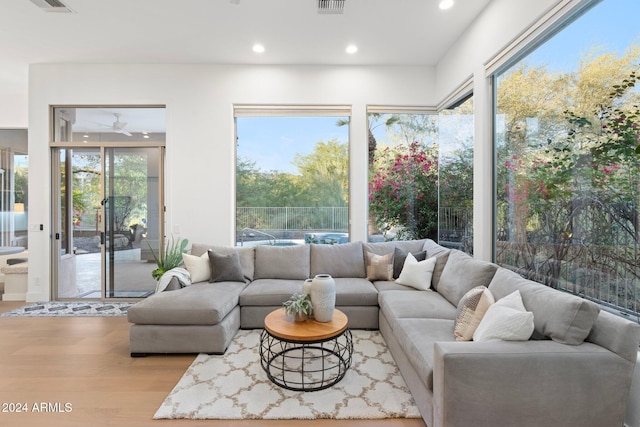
568 179
325 173
297 305
403 192
322 180
170 258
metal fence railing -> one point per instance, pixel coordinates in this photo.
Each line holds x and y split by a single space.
293 218
608 275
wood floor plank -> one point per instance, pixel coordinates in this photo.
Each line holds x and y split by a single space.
85 362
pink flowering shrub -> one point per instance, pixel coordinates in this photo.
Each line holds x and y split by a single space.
403 191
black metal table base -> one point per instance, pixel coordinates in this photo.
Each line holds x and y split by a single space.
302 366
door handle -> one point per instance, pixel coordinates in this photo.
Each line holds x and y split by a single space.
102 238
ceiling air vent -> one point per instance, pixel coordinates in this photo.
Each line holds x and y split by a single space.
331 6
52 6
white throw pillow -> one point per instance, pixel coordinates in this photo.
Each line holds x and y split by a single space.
198 267
417 274
506 320
513 300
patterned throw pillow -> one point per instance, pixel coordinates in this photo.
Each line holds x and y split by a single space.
471 308
379 267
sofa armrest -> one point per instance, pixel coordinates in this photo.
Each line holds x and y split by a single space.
529 383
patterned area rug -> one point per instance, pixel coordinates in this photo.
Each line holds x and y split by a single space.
56 308
234 386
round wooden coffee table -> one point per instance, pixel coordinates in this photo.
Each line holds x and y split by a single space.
305 356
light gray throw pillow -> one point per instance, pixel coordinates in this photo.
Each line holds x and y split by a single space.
462 273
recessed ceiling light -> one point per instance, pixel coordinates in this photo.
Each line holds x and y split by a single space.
258 48
351 49
445 4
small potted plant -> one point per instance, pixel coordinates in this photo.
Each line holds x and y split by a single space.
298 307
170 258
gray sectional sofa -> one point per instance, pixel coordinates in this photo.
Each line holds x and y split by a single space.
574 370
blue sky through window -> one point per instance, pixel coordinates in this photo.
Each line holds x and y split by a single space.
609 26
272 142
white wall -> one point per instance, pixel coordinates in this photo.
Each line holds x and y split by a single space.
13 97
501 22
199 174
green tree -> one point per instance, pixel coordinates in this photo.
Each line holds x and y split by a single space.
564 189
324 173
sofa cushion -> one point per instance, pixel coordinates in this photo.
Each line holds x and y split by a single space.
442 255
389 285
269 292
379 267
557 315
399 257
463 273
199 304
471 309
506 320
355 292
198 267
282 262
247 256
417 274
415 304
382 248
342 260
225 268
417 338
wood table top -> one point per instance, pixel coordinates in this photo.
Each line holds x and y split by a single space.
279 325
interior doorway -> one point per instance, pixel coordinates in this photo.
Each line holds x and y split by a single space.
108 217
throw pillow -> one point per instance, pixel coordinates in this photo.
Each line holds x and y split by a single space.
417 274
462 273
506 320
197 266
399 256
471 309
225 268
379 267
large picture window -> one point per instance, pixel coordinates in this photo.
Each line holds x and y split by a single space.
292 177
403 176
567 163
421 176
455 176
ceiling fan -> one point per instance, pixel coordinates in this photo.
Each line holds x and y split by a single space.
119 127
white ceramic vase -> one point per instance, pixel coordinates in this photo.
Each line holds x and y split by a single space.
306 286
323 297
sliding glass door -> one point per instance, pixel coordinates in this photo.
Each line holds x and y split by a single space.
107 214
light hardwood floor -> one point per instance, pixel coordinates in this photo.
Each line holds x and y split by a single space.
85 362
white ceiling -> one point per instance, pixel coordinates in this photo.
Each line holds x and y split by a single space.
387 32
